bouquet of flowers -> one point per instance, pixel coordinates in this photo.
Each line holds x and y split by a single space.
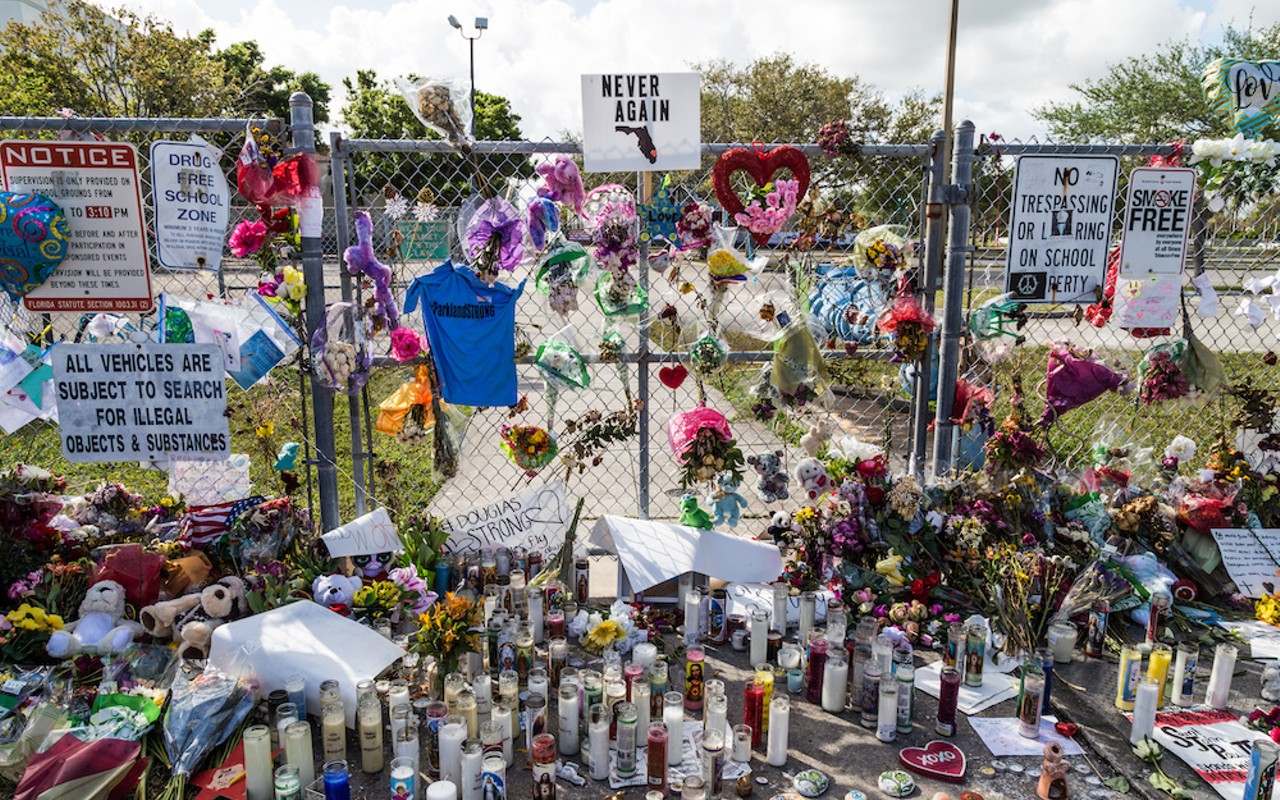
529 447
204 709
770 207
707 355
836 140
447 630
494 239
560 270
908 324
694 226
378 600
1160 373
25 631
704 446
1011 447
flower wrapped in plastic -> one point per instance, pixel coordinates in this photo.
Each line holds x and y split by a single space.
443 106
563 366
204 709
798 374
708 354
682 429
770 208
909 326
1075 378
1160 373
529 447
880 251
727 264
494 238
619 295
340 354
694 226
406 414
560 270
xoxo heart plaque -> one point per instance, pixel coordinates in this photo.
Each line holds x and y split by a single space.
1244 93
939 760
672 377
761 166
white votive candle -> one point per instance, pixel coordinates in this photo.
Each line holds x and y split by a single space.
1144 710
835 682
598 730
1224 664
779 727
759 637
452 734
673 718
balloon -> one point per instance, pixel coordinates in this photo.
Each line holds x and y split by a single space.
33 241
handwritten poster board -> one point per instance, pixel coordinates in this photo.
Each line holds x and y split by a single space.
96 183
141 402
193 204
1147 301
1060 227
1252 557
641 122
536 519
362 536
1213 743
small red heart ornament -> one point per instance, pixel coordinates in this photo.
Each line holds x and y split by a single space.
760 164
1067 729
939 760
672 377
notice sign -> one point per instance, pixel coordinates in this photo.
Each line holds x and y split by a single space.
147 402
1211 742
96 183
1250 557
536 519
1157 221
641 123
192 204
1060 227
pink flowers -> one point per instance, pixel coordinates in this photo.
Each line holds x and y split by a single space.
778 207
405 344
247 238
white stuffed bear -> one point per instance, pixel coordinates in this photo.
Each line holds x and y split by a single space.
813 477
335 591
101 627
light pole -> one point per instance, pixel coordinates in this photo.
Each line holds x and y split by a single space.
481 24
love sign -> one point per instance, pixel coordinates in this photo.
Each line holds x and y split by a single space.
939 760
1244 93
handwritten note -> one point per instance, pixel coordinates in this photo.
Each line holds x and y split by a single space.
1252 558
536 519
207 483
372 533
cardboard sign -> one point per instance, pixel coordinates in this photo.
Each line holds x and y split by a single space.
1157 221
1213 743
96 183
1252 557
536 519
646 123
192 204
1060 227
372 533
1146 301
141 402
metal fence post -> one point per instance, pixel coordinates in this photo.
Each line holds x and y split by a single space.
302 130
953 296
935 228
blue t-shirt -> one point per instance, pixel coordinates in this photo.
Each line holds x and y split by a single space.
471 328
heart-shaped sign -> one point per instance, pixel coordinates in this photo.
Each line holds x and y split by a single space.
1244 93
938 759
761 166
33 239
672 377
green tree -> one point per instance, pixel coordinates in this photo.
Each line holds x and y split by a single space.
375 109
265 91
1156 97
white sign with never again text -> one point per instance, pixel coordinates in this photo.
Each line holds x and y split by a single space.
192 204
372 533
141 402
1252 557
649 122
536 519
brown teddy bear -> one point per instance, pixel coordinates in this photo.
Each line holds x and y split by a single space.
191 619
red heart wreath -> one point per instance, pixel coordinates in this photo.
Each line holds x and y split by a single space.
761 166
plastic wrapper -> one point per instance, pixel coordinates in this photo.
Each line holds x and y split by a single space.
265 181
682 428
880 251
529 447
727 264
774 312
544 221
561 362
1201 366
135 569
340 354
254 339
264 531
1073 379
494 238
1100 580
1160 373
408 405
799 375
847 304
708 354
449 434
620 297
204 709
443 106
560 271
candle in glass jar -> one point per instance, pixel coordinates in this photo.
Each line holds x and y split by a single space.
1127 677
808 611
333 731
472 765
288 784
779 729
538 682
753 711
493 780
554 622
906 676
615 693
713 762
452 735
1062 641
692 613
716 714
673 718
591 691
482 687
658 671
693 676
568 713
509 690
741 743
542 759
948 699
286 715
436 713
887 709
1224 664
1184 674
505 714
369 716
656 751
781 597
1030 700
337 780
1144 710
403 774
817 669
644 654
835 682
626 718
399 719
764 677
1158 668
297 751
975 654
257 762
453 684
536 617
640 696
557 658
467 710
837 622
598 737
491 735
759 637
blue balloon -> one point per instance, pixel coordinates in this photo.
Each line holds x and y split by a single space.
33 241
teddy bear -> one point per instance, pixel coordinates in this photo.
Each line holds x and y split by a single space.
816 438
813 477
726 500
692 514
101 627
190 619
362 260
772 483
780 527
336 592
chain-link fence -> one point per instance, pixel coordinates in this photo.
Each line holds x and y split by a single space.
414 191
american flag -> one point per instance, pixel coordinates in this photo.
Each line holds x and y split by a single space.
203 525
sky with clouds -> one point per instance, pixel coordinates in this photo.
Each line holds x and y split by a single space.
1013 55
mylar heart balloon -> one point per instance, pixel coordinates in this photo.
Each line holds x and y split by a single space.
33 241
761 166
1244 93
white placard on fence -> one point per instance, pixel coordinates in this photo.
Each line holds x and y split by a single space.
192 204
1252 557
1060 227
372 533
536 519
1157 221
641 123
141 402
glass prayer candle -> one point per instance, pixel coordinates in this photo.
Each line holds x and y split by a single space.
817 668
333 732
658 672
257 763
509 690
538 682
612 664
403 775
887 709
759 637
1127 677
1224 664
1158 668
598 739
694 665
625 719
953 655
753 711
453 685
795 680
1030 700
592 690
295 686
493 781
436 713
716 714
657 757
297 751
948 699
557 658
615 693
741 743
369 719
781 597
808 612
1160 603
644 654
906 677
491 736
567 710
764 677
555 622
400 718
452 734
694 788
536 616
286 715
882 652
835 682
581 581
555 597
466 708
472 766
714 686
692 613
713 762
1095 638
490 602
330 692
774 643
789 657
506 714
1044 657
405 743
630 672
1184 674
673 718
519 594
1062 641
837 622
1144 710
288 785
975 654
779 730
535 713
542 758
640 696
337 780
718 617
524 650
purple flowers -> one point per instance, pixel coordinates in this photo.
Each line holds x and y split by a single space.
495 238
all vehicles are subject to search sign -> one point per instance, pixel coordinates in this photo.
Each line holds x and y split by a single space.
1060 227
